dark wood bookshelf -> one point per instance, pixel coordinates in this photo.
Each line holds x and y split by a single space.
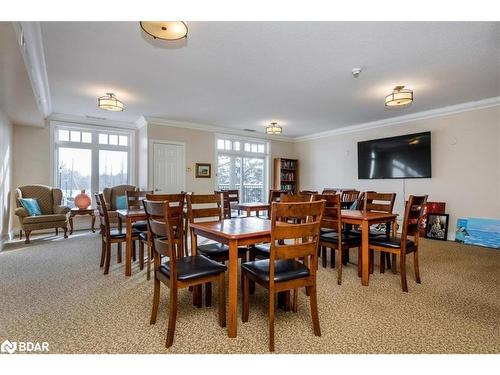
286 174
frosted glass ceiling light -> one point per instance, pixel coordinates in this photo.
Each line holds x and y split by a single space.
109 102
166 30
399 97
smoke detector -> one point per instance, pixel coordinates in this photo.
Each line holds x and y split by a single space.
355 72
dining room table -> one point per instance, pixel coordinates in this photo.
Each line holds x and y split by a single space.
253 207
234 233
364 219
129 216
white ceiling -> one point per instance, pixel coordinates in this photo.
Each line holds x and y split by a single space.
246 74
17 100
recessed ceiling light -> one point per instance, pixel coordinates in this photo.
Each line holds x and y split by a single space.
166 30
109 102
399 97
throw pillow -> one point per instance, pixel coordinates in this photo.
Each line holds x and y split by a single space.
31 205
121 202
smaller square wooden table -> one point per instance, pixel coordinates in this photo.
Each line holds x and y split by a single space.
77 212
253 206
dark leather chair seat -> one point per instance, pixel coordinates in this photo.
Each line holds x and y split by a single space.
194 267
393 243
218 251
285 269
141 226
116 233
262 250
347 239
326 230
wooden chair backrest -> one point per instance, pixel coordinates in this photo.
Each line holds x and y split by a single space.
227 202
102 209
331 215
288 198
165 222
233 195
349 195
379 202
275 195
173 199
413 216
134 198
298 239
329 191
205 206
308 192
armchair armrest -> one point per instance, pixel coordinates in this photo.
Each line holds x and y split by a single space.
61 209
21 212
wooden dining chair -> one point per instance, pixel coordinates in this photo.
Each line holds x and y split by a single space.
110 236
348 197
282 271
336 238
380 202
145 237
262 251
403 246
208 207
165 222
233 197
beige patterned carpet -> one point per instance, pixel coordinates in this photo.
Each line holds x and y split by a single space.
54 291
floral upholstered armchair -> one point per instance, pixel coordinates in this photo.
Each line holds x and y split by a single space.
52 214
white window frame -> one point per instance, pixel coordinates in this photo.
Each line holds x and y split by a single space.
266 155
94 146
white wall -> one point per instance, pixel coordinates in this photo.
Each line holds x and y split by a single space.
465 163
200 148
5 177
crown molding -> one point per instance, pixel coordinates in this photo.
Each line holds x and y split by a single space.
208 128
29 37
400 120
62 117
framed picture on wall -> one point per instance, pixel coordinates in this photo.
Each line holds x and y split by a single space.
203 170
437 226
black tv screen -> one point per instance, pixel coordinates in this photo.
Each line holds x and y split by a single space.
406 156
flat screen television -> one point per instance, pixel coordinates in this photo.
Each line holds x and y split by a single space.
406 156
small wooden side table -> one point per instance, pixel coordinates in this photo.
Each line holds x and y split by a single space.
76 212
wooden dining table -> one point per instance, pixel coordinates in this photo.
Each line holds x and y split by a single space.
253 206
130 216
234 233
364 219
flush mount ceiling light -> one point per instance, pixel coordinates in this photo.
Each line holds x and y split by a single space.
109 102
274 129
399 97
166 30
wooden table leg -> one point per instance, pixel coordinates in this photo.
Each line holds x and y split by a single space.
365 271
249 212
233 289
93 222
128 250
70 224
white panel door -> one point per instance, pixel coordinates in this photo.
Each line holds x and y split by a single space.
168 168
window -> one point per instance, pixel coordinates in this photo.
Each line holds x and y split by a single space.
243 165
90 159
